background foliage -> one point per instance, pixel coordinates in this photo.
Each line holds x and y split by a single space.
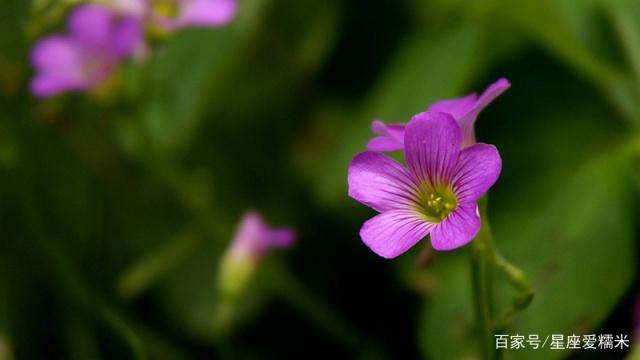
115 208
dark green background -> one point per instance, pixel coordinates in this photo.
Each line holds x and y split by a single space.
115 209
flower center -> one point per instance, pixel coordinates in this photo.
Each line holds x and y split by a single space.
436 203
166 8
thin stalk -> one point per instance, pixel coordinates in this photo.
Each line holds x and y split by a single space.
482 294
153 266
485 257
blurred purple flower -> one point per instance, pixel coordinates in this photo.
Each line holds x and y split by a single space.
464 110
204 13
96 42
136 8
254 238
436 193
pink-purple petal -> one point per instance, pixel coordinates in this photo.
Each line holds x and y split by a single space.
97 40
457 108
393 130
379 182
492 92
477 170
207 12
457 229
390 137
281 237
384 144
126 38
432 145
59 64
394 232
56 53
468 120
254 237
44 85
91 26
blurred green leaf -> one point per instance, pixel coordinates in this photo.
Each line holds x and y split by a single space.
625 15
144 272
190 294
544 22
221 74
185 77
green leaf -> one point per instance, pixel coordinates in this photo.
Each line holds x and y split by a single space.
185 77
563 34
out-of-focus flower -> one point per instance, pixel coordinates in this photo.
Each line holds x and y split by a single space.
136 8
175 14
436 193
96 42
251 242
464 110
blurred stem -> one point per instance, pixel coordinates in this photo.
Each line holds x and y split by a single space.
517 279
51 253
195 194
6 351
154 265
481 271
629 36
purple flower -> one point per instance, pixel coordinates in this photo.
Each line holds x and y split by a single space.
85 57
436 193
464 110
137 8
205 13
252 240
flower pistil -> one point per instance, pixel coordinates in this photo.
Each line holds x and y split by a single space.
436 203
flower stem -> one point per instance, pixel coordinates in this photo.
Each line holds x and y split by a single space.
481 271
484 256
518 280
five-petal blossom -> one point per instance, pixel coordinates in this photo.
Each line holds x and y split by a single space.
435 194
97 40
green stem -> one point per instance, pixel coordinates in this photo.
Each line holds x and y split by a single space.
148 270
484 257
482 293
518 280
